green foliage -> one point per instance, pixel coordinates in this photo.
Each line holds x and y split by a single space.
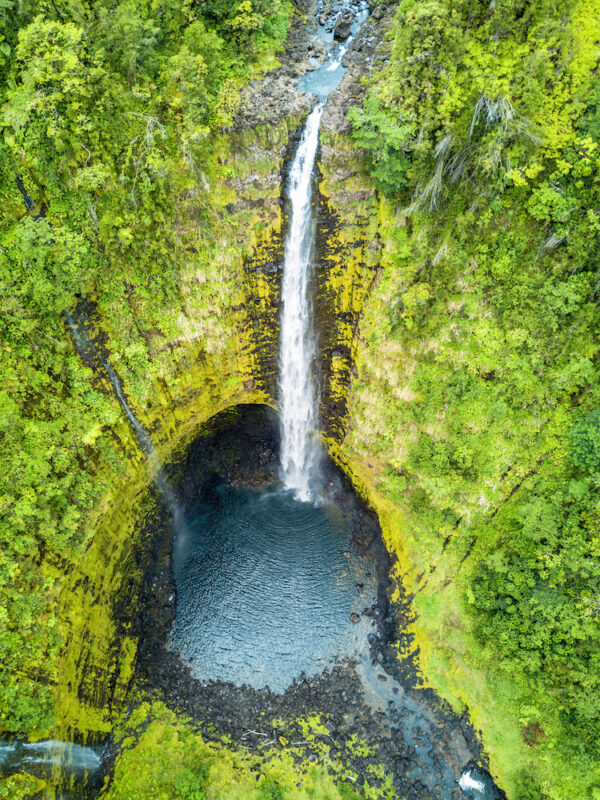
536 589
386 135
585 441
109 118
21 787
347 792
270 791
479 386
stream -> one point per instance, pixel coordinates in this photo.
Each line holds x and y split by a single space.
269 594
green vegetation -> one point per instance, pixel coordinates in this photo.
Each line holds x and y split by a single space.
476 403
165 758
112 115
474 421
22 787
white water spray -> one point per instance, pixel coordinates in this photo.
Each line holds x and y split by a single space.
300 447
467 781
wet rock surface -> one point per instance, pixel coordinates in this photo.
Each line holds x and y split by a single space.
406 729
368 51
342 27
277 96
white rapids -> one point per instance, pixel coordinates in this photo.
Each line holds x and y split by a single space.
468 782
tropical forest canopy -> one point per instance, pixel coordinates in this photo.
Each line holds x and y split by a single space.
483 135
478 391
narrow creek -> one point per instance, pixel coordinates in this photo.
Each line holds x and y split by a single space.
268 593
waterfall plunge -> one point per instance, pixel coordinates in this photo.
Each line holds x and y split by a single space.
300 448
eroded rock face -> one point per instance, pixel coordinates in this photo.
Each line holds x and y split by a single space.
347 255
98 651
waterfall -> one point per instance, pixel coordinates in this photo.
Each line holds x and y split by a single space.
298 397
469 784
86 348
300 447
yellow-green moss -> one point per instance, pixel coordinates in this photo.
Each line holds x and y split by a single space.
350 256
162 752
24 787
447 652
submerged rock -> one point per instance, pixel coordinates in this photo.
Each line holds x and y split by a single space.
318 50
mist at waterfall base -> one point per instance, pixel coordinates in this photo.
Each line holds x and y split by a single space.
266 586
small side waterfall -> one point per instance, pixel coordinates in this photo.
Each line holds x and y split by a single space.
74 770
86 348
298 397
49 753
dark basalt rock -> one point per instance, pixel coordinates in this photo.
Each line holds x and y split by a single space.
342 28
